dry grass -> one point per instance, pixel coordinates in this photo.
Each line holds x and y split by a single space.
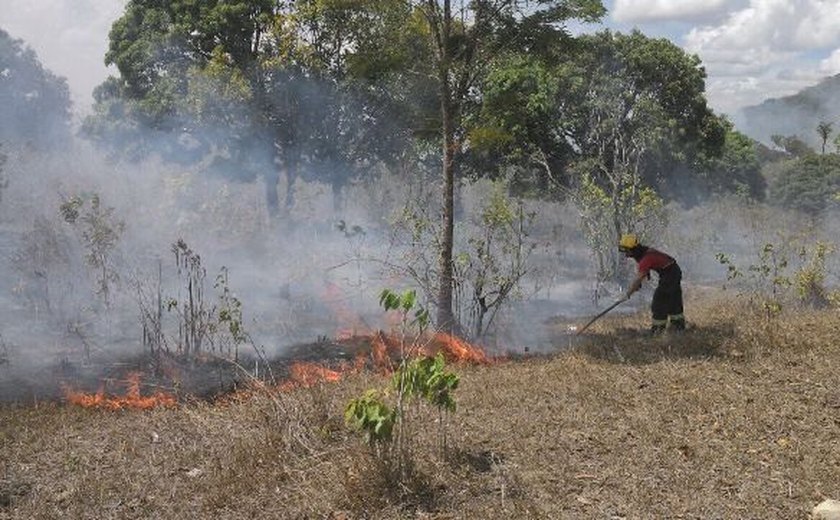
738 418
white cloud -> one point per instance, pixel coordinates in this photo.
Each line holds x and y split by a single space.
767 49
730 93
819 25
678 10
778 25
69 36
831 65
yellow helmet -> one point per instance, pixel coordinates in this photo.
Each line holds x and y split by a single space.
627 242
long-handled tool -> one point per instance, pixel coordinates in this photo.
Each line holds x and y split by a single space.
593 320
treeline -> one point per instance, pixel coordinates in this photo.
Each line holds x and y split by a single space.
435 91
326 90
805 179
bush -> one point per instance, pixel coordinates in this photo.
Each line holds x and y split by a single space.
809 184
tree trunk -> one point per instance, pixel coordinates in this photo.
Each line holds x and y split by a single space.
442 28
445 317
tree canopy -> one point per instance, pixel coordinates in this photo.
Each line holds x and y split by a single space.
626 102
34 102
263 85
809 184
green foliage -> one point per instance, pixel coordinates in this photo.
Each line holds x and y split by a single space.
229 312
99 232
34 102
388 428
792 145
606 215
824 130
261 84
427 378
520 96
783 274
372 416
732 270
770 272
491 255
809 279
766 278
496 259
736 170
405 303
807 184
621 103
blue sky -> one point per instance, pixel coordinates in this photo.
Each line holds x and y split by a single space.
752 49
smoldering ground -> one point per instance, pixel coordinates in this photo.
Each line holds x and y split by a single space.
311 273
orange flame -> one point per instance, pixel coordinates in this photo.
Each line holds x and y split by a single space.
131 400
456 349
381 352
385 350
304 375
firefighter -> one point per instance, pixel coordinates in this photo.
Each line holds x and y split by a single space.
667 304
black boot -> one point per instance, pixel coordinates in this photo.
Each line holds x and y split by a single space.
656 330
677 324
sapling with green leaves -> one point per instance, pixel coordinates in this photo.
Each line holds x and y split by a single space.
490 259
404 304
388 429
100 232
608 212
413 316
777 277
427 378
371 415
766 279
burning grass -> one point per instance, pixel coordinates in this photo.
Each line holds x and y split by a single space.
739 418
130 400
303 367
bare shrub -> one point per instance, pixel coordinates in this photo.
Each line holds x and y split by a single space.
44 266
491 256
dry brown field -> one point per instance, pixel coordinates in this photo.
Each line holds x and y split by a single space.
738 418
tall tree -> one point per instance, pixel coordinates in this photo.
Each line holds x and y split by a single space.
640 108
34 102
824 130
618 116
466 37
260 83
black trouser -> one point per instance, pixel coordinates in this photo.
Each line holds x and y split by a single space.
667 298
